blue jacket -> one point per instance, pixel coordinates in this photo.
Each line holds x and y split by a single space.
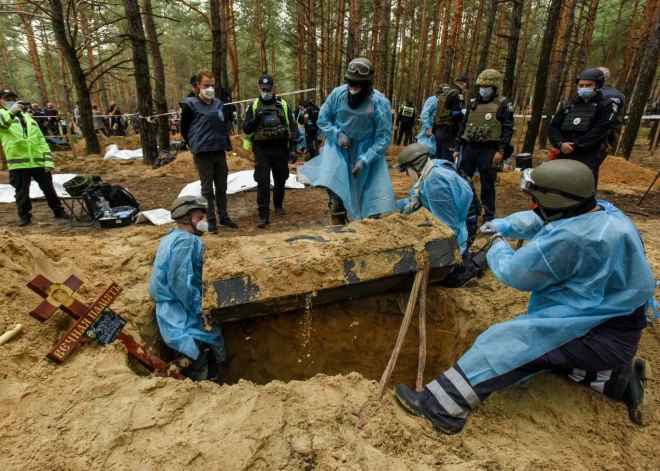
203 125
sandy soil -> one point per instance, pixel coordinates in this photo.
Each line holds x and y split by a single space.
98 411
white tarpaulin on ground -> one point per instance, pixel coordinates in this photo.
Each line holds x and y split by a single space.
158 217
7 192
112 152
240 181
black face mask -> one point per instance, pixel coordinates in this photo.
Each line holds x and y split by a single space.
355 100
582 208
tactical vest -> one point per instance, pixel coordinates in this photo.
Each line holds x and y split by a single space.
579 117
442 114
208 132
482 125
275 123
407 111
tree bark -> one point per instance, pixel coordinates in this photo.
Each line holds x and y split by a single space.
453 40
339 44
33 53
512 51
354 31
373 40
395 41
642 91
420 63
404 44
233 51
474 46
651 13
485 48
527 26
624 70
78 76
65 82
384 43
135 32
553 95
554 9
437 15
8 63
443 42
84 22
159 75
54 83
585 48
615 36
568 70
312 58
258 19
495 59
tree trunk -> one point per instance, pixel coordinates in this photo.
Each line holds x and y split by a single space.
624 70
404 44
258 20
568 70
651 13
468 19
437 15
373 42
135 32
159 75
495 59
554 9
490 24
233 51
300 57
312 58
395 41
443 43
339 44
420 63
512 51
354 31
65 83
642 91
54 83
585 49
8 65
615 36
34 54
90 54
78 76
384 40
453 41
553 95
527 26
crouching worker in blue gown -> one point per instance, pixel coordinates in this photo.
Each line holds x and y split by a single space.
591 284
356 120
449 195
176 286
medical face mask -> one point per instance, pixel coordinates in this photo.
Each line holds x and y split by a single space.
201 227
9 104
486 92
585 92
267 95
352 91
208 93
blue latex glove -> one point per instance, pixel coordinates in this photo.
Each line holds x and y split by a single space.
357 169
488 229
413 206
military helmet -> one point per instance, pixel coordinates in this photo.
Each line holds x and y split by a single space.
184 204
360 70
490 78
594 74
558 185
411 155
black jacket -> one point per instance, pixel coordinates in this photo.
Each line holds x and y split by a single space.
250 126
504 115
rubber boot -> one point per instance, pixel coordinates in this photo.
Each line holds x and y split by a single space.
338 215
213 227
263 222
424 405
639 407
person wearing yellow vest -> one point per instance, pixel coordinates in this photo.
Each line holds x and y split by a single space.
485 136
272 132
406 123
28 157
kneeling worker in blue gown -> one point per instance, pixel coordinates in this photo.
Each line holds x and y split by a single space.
590 282
176 286
449 195
356 120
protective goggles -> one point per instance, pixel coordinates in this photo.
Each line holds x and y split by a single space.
527 185
359 68
402 167
198 201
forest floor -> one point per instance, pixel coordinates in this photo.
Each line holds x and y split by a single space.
291 380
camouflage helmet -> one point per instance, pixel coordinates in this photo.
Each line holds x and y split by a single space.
184 204
490 78
360 70
411 155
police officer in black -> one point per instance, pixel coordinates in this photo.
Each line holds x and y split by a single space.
405 121
203 129
448 116
271 130
310 118
581 127
485 136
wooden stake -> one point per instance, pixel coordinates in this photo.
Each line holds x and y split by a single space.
422 330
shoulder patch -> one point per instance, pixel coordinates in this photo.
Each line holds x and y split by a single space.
461 96
615 99
509 106
615 108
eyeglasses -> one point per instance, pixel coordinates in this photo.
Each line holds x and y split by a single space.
359 68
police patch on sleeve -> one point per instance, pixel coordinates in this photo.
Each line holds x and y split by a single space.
221 114
615 108
461 96
509 106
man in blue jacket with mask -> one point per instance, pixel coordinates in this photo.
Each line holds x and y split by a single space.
176 286
590 282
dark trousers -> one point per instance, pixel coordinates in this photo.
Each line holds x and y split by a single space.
212 170
274 160
406 131
481 157
602 360
20 180
204 367
310 143
445 141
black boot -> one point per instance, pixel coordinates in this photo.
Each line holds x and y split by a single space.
280 210
263 222
633 397
61 214
24 221
213 227
225 221
419 403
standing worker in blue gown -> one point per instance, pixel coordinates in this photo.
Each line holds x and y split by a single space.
356 120
176 286
590 282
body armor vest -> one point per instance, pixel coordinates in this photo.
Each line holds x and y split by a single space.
482 125
442 114
579 117
407 111
275 123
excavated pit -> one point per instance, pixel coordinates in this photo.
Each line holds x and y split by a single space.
340 338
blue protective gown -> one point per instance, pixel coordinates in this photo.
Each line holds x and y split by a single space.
176 286
447 196
369 127
428 116
581 271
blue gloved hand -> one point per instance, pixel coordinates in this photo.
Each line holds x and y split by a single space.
496 239
343 141
488 228
414 205
357 169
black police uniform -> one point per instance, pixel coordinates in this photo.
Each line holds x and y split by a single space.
406 125
587 125
270 155
311 128
480 154
445 134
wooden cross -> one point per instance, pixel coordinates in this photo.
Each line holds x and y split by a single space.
60 296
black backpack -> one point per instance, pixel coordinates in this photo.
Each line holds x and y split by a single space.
120 196
115 195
